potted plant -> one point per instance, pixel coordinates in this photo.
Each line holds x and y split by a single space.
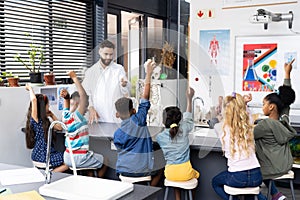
33 61
1 82
13 81
49 78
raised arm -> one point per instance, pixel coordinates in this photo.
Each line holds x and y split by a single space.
288 68
187 122
83 102
65 94
33 100
150 65
288 100
189 96
124 84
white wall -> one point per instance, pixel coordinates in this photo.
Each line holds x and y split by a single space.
237 21
14 104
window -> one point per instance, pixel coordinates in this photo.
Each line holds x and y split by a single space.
63 27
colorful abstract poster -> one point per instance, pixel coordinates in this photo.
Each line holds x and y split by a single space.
267 54
216 44
51 93
259 67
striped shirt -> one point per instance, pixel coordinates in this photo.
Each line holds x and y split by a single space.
77 132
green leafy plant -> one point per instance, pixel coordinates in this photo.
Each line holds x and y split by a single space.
35 57
9 75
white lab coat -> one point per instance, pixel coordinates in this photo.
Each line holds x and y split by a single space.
103 86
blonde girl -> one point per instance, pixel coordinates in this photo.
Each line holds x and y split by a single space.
236 134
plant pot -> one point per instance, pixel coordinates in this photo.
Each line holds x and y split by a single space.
13 82
49 79
36 77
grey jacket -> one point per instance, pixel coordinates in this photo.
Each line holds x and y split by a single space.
272 144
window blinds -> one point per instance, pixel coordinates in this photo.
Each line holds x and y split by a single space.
63 27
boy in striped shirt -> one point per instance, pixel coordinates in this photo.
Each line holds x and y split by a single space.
75 107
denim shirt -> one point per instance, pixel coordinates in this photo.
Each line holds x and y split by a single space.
134 143
177 151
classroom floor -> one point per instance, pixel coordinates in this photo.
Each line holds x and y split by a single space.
285 189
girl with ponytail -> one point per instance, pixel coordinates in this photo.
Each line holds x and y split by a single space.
174 143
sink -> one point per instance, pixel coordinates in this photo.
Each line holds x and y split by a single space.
204 132
86 188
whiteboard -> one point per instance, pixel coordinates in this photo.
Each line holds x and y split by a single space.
259 62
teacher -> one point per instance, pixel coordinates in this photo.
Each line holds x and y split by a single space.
105 82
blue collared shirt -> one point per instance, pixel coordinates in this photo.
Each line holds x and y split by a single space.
177 151
134 143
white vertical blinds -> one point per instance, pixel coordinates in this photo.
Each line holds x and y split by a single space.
63 27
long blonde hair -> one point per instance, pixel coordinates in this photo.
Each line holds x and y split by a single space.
237 119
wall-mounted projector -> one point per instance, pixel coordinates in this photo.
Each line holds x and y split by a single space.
267 17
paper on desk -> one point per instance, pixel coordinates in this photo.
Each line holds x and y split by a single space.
30 195
19 176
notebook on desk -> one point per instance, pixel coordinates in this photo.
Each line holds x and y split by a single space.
21 176
30 195
86 188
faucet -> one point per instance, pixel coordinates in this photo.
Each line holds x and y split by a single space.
49 140
193 106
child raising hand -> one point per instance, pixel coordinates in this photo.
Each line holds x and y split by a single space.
174 142
236 134
75 107
37 126
133 140
272 135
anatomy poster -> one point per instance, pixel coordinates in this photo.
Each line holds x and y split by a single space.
259 67
259 64
216 44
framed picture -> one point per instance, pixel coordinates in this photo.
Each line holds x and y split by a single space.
249 3
259 64
51 93
217 45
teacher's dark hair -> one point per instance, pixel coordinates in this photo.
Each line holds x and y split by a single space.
107 44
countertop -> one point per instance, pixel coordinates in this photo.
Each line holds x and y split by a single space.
200 138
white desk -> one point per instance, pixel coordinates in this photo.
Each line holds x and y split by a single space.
139 192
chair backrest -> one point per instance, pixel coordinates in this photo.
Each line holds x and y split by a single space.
134 179
39 165
239 191
188 185
84 168
289 175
